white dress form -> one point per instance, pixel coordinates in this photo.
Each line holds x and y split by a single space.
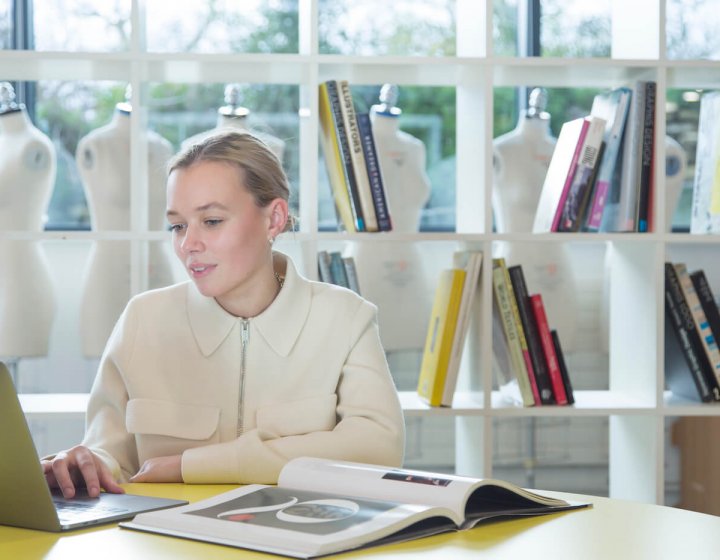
520 160
103 158
393 275
27 299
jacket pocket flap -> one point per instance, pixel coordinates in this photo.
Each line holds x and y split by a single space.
165 418
301 416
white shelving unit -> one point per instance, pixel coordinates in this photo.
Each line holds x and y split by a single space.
636 403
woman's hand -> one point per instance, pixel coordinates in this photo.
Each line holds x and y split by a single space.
79 467
160 469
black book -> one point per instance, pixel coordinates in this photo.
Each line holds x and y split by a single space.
679 320
372 162
527 318
707 300
563 367
646 158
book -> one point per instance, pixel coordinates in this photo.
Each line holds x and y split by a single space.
559 175
440 335
645 198
337 270
471 262
574 206
621 212
358 167
542 376
374 171
334 162
551 358
705 217
521 335
564 373
324 506
707 300
701 323
683 340
351 274
613 107
501 362
517 360
324 274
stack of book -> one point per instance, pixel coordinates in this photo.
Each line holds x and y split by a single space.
448 327
333 268
692 325
526 351
600 176
351 161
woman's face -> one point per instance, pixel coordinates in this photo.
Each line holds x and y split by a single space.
219 233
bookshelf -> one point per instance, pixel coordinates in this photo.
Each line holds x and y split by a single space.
635 403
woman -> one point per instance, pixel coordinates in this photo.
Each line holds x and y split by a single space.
225 378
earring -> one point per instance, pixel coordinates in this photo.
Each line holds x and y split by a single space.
271 240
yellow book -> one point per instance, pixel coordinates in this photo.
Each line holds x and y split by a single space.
333 161
440 335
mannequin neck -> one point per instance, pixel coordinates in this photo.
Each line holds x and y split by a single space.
533 126
384 124
227 121
14 122
121 120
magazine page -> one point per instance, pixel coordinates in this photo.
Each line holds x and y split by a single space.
378 482
293 522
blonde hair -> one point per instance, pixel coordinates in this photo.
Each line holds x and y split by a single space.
265 178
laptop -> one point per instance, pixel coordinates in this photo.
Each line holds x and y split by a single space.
25 499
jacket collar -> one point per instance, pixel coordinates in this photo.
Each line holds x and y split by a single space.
280 324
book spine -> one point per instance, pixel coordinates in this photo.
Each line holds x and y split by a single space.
377 185
563 366
351 273
707 156
625 217
683 324
707 300
517 277
345 153
324 273
522 338
333 161
575 202
551 358
701 323
337 270
646 157
357 156
502 299
570 175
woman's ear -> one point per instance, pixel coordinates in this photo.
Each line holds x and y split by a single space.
278 209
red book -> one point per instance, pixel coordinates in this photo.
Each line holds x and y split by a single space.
548 349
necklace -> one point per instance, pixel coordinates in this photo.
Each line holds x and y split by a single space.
280 279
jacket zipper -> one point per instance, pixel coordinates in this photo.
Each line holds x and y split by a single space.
244 337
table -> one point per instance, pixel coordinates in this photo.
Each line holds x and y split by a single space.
610 530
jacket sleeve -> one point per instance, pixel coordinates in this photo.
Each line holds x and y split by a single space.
105 431
370 427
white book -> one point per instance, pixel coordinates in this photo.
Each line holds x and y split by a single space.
322 506
471 261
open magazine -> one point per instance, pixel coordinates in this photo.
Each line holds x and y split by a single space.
321 506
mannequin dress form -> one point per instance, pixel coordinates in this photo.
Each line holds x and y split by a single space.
234 115
392 275
520 159
27 174
103 158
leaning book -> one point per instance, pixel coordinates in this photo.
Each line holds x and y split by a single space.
321 507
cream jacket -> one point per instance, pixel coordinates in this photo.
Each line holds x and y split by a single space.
240 397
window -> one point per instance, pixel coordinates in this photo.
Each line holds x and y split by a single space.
692 29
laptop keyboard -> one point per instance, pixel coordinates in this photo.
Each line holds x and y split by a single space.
68 510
